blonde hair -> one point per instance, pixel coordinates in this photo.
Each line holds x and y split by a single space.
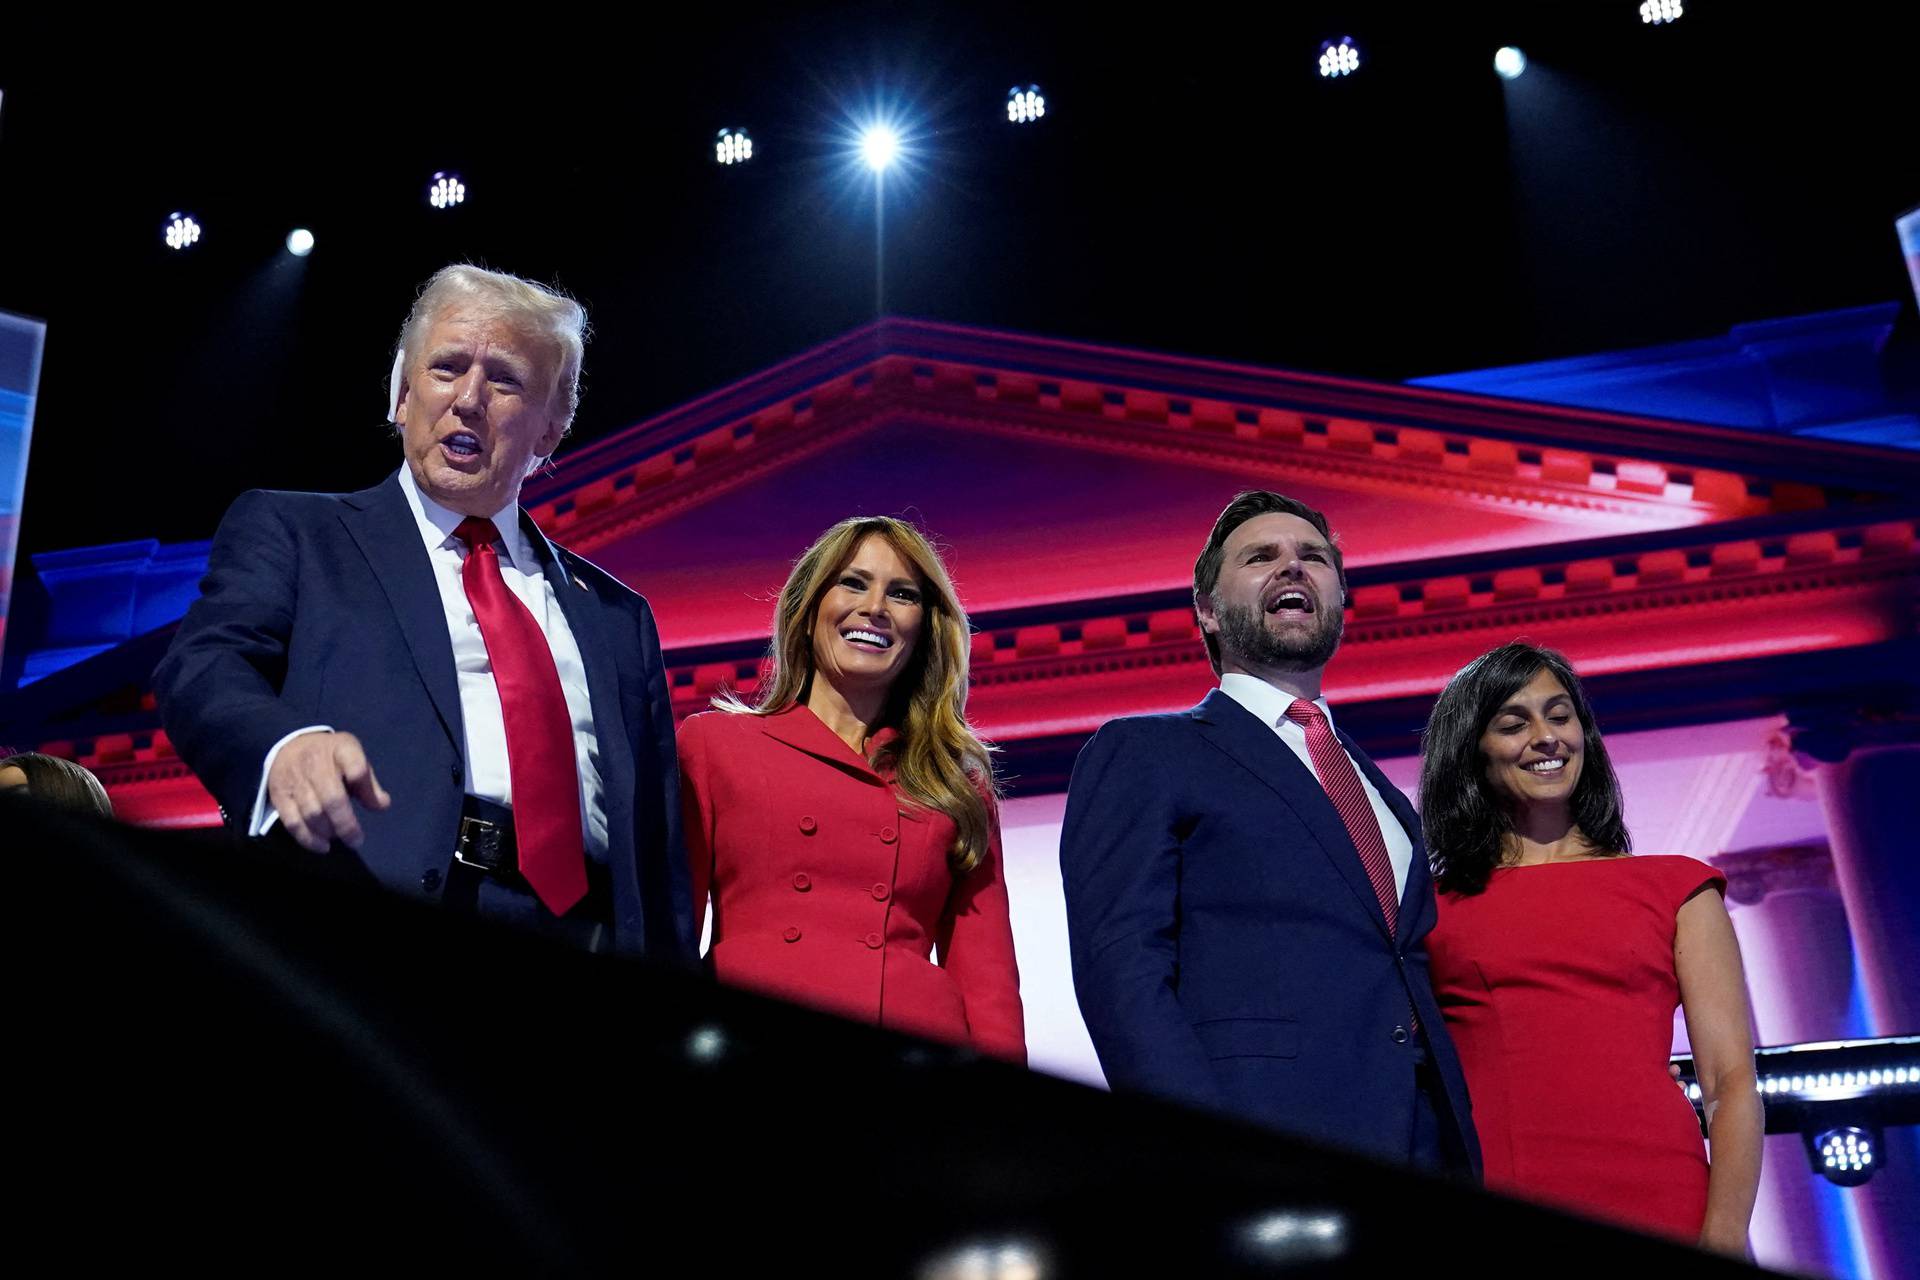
543 312
937 761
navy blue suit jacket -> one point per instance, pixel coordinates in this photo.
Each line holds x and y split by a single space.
1228 949
322 609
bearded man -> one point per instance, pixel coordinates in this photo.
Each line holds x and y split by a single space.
1247 895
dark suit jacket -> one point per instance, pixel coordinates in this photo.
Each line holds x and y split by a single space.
322 609
1228 950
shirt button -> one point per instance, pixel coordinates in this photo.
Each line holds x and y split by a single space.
457 779
808 825
430 879
792 934
888 835
874 940
802 881
1399 1035
879 893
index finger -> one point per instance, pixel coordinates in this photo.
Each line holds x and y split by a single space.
356 771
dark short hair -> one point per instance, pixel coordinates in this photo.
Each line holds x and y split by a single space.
1245 506
1465 823
61 783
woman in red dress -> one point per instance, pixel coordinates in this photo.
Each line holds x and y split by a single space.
1558 962
844 824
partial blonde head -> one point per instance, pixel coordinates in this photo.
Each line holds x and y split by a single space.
541 312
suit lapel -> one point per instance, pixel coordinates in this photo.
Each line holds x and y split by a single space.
804 731
381 523
1257 748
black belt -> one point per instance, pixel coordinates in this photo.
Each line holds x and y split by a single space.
485 849
486 839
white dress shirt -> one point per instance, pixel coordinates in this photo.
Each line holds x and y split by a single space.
484 729
1269 705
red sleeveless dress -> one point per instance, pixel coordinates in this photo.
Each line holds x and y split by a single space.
1559 989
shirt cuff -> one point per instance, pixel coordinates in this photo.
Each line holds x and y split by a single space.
264 814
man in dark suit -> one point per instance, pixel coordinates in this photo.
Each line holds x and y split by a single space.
413 677
1247 894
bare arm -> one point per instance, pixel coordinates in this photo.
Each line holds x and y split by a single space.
1713 994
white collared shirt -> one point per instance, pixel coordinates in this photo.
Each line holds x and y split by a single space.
484 729
1269 705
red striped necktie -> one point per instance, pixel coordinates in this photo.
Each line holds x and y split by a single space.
1341 781
540 758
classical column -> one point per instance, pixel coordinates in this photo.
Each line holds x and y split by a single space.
1865 758
1866 769
1792 928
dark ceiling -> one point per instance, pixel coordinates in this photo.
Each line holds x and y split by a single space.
1195 187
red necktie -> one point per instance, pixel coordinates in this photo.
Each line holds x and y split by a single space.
1341 781
540 760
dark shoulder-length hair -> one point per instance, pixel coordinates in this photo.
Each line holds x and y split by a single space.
61 783
1465 823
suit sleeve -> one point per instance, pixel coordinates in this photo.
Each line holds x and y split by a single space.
218 687
676 898
696 816
1120 851
976 946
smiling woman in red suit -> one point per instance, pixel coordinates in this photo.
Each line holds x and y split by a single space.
844 823
1558 962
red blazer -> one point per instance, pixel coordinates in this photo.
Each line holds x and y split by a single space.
832 891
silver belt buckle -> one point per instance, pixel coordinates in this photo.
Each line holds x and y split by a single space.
479 845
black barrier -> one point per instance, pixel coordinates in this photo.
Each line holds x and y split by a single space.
235 1058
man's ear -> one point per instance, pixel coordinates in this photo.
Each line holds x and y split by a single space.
550 439
397 389
1203 610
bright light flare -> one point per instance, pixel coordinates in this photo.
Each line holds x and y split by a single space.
1656 13
1510 63
879 146
299 242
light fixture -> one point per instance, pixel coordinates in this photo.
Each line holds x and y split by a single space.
733 147
1845 1155
1024 106
1510 63
181 232
1339 58
1657 13
299 242
879 146
446 191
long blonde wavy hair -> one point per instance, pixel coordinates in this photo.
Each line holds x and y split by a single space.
937 761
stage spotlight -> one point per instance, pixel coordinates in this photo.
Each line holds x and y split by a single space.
446 191
707 1045
1659 12
299 242
1291 1236
1845 1156
733 147
1509 62
988 1260
879 147
1339 57
1024 106
182 232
